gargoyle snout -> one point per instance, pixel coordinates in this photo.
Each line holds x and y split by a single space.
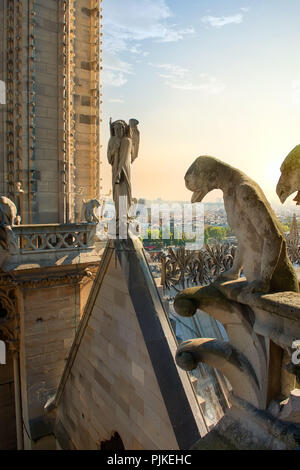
282 190
189 179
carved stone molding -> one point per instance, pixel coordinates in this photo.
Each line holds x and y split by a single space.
59 278
9 317
95 92
10 134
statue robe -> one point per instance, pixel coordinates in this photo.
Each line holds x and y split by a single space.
119 156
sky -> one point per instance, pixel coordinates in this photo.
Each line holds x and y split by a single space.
203 77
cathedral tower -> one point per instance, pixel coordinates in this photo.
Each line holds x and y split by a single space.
50 124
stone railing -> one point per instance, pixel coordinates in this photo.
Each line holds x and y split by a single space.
51 244
54 237
182 268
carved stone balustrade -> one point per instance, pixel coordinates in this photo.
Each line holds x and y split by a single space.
44 245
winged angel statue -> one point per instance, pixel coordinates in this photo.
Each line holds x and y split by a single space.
123 148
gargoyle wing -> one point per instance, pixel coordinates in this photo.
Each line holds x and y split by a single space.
135 135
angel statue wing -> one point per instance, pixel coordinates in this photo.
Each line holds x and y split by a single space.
135 135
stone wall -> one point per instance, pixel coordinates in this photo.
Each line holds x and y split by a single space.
112 383
49 321
112 386
50 316
8 437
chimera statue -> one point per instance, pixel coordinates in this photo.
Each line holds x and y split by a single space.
261 251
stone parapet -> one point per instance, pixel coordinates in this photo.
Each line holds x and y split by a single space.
53 245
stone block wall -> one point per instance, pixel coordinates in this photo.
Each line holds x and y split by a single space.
49 321
120 376
48 329
7 406
112 386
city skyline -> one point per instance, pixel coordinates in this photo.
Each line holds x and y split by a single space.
203 78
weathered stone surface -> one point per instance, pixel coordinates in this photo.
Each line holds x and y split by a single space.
261 251
290 410
244 427
223 356
289 181
122 150
120 368
261 316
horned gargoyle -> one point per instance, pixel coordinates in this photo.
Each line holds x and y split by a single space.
289 181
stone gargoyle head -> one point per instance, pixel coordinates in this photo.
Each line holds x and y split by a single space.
289 181
202 177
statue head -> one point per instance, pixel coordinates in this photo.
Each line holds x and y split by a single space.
202 177
119 128
289 181
8 211
95 203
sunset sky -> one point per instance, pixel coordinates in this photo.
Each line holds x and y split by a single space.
202 77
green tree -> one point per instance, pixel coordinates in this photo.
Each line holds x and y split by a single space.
215 232
285 227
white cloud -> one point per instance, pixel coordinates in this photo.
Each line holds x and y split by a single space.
115 71
111 78
113 62
116 100
126 25
178 77
219 21
174 71
137 21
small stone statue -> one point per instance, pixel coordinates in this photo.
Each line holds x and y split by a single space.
289 181
8 211
19 189
123 148
89 210
8 215
261 251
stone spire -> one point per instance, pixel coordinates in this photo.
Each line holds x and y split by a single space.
293 237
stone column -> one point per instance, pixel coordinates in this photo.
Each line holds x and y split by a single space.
18 403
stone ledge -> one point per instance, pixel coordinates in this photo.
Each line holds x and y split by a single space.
284 304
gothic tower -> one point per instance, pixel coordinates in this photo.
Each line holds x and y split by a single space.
49 162
50 124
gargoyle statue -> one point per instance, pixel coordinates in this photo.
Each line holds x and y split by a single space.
289 181
261 251
8 217
89 210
